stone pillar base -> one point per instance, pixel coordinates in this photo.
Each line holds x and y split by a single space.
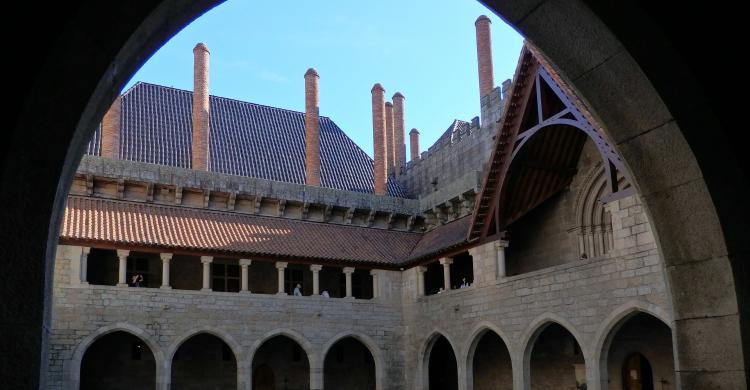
122 285
206 289
166 287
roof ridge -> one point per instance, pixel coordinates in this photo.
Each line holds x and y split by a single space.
145 83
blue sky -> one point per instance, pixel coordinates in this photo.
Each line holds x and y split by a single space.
424 49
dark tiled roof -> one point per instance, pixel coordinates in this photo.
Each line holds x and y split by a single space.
246 139
97 220
454 132
442 238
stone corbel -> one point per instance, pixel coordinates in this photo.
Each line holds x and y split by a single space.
120 188
232 200
349 215
178 195
305 209
282 207
256 204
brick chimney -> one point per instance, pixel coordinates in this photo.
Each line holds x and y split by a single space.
200 108
414 144
312 129
484 55
111 130
398 132
380 173
390 149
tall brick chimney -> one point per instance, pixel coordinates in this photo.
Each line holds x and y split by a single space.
414 144
380 173
312 129
200 108
390 161
111 130
484 55
398 132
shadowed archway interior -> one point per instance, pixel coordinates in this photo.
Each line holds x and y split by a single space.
118 360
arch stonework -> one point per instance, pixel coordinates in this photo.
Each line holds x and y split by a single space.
74 366
609 328
221 335
371 345
467 353
424 358
522 360
316 367
683 162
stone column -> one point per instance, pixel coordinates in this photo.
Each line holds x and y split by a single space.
500 246
348 272
83 265
165 258
446 262
281 266
420 280
315 268
122 255
206 260
244 264
375 283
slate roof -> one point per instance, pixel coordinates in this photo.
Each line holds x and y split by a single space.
246 139
97 220
455 131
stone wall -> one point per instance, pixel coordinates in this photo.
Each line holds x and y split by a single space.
166 318
586 297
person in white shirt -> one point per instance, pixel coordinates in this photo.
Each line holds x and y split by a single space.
324 294
297 290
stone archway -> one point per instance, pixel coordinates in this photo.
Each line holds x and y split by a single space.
697 189
203 361
439 364
489 362
284 360
553 359
348 364
118 360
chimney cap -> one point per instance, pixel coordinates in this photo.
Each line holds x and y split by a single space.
398 95
201 46
377 86
414 131
389 104
311 72
483 18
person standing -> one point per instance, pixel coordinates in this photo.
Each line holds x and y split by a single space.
298 290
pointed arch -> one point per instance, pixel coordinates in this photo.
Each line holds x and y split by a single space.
312 357
222 335
612 324
426 350
369 343
469 350
74 365
530 336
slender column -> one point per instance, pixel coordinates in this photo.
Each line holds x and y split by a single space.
375 283
315 268
420 280
122 255
348 272
281 266
244 264
206 260
83 265
165 259
446 262
500 246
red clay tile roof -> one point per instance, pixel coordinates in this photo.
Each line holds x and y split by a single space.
123 223
442 238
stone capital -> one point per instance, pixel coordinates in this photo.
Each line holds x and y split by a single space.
348 270
207 259
281 264
245 262
315 267
421 269
123 253
85 250
375 272
446 260
165 256
501 244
